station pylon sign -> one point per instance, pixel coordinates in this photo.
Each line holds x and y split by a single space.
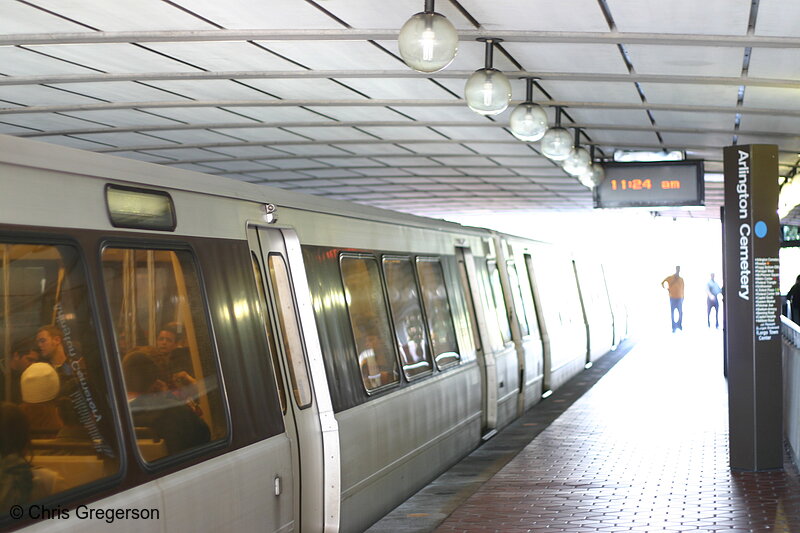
752 307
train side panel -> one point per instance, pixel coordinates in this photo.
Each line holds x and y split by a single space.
522 315
559 308
399 436
597 307
247 459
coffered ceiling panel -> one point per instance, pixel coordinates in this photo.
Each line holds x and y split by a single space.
765 126
46 121
361 14
126 16
775 98
113 57
778 18
340 55
686 60
774 63
698 121
129 117
224 56
677 94
312 95
726 17
573 16
16 61
575 91
568 57
20 17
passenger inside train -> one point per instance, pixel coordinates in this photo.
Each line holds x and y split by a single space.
55 387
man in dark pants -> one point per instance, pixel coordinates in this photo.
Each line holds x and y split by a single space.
712 300
674 284
794 299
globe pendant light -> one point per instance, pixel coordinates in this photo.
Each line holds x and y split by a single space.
556 142
594 176
488 91
428 42
528 121
578 161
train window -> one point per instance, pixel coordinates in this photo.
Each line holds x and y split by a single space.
165 350
264 314
409 329
437 309
519 305
56 424
290 330
498 301
369 319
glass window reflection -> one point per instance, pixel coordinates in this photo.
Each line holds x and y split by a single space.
437 309
369 319
410 335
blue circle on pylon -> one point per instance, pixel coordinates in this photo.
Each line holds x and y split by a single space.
761 229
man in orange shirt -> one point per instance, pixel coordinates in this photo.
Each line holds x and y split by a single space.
674 284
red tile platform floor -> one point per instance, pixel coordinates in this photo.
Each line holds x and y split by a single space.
646 450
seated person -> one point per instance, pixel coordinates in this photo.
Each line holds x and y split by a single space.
54 347
23 355
39 387
170 336
19 481
152 406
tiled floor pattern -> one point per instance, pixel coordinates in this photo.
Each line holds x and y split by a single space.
429 507
645 450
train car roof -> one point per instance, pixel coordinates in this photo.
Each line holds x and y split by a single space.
35 154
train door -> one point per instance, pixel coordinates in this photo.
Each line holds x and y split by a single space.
308 413
583 296
524 331
537 301
468 276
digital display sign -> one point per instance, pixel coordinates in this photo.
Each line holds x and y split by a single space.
790 236
661 184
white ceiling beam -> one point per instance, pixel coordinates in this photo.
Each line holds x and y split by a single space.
511 140
611 37
476 170
387 102
534 155
394 124
391 74
393 155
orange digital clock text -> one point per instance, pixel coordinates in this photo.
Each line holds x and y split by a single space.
646 184
634 184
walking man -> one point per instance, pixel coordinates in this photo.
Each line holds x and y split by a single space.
674 284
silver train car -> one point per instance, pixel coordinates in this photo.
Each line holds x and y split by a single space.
234 357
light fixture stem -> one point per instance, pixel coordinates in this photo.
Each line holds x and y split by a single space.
577 137
529 90
429 6
591 152
558 116
489 51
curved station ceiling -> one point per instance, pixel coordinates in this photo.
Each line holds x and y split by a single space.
313 96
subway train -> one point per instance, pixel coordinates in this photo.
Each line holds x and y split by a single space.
236 357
